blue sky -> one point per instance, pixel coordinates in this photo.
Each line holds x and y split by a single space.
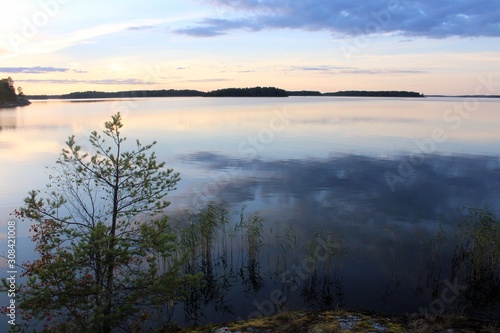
434 47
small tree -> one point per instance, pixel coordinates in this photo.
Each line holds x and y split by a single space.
106 260
7 91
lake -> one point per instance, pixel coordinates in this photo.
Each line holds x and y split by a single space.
384 175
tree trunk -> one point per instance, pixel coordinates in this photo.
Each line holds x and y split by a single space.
111 256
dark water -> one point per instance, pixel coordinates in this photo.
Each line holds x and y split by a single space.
359 198
396 250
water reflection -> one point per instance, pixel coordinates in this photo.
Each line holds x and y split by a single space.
397 248
8 119
350 186
323 173
242 258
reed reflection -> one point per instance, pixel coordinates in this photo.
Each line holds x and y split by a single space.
382 251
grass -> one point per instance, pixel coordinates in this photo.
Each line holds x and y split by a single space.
342 321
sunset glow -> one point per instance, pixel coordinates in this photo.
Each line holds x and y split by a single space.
61 46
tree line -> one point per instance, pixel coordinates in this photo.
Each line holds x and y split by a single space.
362 93
248 92
8 96
226 92
123 94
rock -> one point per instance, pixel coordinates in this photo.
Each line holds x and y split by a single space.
316 330
20 101
378 327
348 322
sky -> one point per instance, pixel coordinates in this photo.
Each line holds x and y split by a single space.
433 47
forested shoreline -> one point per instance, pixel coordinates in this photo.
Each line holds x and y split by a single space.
8 96
226 92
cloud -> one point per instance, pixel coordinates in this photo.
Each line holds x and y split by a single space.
319 68
37 70
382 71
105 81
344 18
353 70
216 27
209 80
77 37
141 28
200 32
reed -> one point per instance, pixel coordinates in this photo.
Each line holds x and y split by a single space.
219 247
476 261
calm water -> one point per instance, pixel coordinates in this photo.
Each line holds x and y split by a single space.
382 173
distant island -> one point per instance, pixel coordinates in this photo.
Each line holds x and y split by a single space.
8 96
227 92
123 94
360 93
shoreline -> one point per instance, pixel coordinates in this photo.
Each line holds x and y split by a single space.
227 92
21 101
348 321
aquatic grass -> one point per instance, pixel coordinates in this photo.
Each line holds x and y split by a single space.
323 286
312 267
221 248
476 261
491 328
431 262
434 260
288 249
203 241
254 236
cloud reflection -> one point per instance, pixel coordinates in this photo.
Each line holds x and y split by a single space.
356 183
349 193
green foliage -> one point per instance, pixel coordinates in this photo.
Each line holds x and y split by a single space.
7 91
107 254
248 92
8 97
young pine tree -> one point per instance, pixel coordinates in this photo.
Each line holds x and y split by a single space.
107 254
